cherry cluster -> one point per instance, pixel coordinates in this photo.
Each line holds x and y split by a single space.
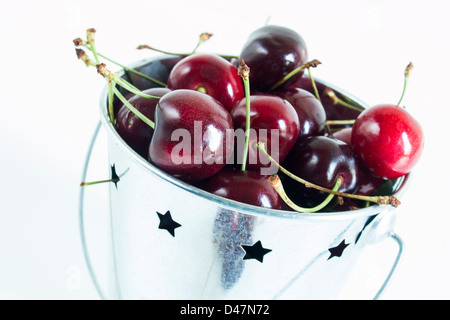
258 129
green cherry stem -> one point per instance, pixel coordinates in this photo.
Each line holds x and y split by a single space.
405 83
332 95
340 122
278 186
110 101
313 63
145 46
313 83
380 200
90 183
244 71
133 109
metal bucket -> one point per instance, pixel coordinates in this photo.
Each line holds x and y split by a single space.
171 240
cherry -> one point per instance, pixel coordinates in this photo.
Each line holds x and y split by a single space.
248 187
191 138
321 160
272 52
271 117
388 140
333 101
311 113
210 74
343 134
368 183
135 132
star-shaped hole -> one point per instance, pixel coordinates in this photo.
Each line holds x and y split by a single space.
114 177
256 251
337 251
167 223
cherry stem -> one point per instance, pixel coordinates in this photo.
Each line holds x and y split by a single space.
244 71
336 100
83 184
275 181
203 37
405 82
145 46
340 122
380 200
110 101
313 83
313 63
80 42
133 109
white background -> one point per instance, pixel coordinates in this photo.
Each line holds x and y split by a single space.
49 109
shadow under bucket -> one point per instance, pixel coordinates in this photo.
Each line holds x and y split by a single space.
171 240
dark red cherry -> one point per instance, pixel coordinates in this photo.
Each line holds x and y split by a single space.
388 140
321 160
311 114
271 52
273 121
367 182
210 74
333 110
190 140
133 130
248 187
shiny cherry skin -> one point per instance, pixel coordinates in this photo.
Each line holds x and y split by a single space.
268 113
248 187
215 75
388 140
271 52
310 111
190 141
135 132
321 160
333 111
367 182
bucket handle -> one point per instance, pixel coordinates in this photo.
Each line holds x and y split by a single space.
81 215
87 259
400 244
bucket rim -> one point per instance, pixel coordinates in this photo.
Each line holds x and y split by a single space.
233 205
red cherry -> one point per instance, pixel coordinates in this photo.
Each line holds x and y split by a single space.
190 140
272 52
268 113
388 140
136 133
248 187
210 74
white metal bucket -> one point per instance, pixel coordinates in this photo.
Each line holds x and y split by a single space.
171 240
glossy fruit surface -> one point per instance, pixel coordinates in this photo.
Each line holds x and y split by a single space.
248 187
271 52
213 74
388 140
133 130
321 160
190 137
311 113
273 121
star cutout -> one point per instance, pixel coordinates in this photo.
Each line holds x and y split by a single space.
114 177
337 251
255 251
167 223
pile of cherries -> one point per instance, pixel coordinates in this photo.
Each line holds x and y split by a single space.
330 154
